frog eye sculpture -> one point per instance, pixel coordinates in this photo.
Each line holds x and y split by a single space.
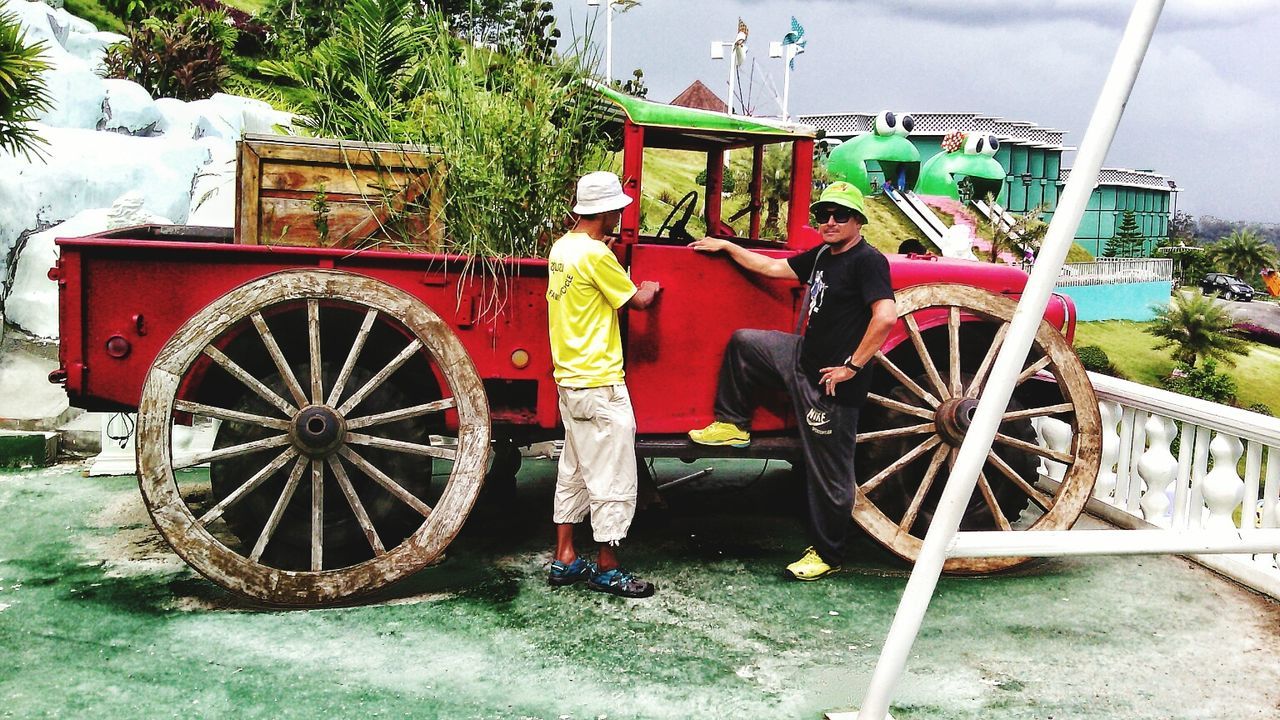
890 123
976 144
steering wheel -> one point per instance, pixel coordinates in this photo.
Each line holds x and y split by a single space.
677 229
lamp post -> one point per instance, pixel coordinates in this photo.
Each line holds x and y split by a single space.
608 38
738 50
778 50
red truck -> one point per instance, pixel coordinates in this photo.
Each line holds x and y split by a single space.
362 395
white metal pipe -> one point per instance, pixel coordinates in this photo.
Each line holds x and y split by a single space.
1008 364
1064 543
733 66
608 43
786 80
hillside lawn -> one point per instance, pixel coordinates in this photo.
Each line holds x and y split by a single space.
1133 352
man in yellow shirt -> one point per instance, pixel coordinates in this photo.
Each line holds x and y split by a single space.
597 474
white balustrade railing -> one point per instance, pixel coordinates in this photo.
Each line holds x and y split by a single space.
1110 271
1174 462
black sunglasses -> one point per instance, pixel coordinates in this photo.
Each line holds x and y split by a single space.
840 215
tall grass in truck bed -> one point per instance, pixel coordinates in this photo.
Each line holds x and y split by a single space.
513 123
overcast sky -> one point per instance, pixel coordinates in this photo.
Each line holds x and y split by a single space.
1204 111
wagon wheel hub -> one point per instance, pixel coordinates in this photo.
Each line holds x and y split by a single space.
318 431
953 419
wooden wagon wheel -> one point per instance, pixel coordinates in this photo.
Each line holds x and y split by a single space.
372 370
920 408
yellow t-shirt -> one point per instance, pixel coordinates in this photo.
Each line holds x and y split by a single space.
585 288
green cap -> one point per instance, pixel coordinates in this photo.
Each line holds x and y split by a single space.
843 194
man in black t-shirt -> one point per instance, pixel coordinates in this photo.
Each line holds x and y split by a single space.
850 312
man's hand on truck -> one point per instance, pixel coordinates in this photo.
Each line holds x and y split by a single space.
645 295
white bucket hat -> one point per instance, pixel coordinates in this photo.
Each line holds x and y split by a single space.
600 192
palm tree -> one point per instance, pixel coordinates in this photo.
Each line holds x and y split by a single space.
775 186
23 93
1243 253
1197 328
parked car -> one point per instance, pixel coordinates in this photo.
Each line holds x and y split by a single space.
1226 286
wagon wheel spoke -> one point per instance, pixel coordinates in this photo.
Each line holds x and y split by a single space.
920 429
1065 458
401 446
249 485
926 360
953 342
907 382
387 483
1034 368
317 515
380 377
1037 497
926 482
901 407
357 507
357 346
987 494
281 503
401 414
980 377
871 484
210 411
313 342
277 356
232 451
250 381
1038 412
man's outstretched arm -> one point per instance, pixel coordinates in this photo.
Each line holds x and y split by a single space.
749 259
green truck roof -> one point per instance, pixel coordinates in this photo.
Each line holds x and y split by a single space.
709 126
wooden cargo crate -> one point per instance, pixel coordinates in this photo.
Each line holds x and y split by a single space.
338 193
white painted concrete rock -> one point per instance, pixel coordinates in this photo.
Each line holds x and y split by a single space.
33 304
128 109
213 199
106 138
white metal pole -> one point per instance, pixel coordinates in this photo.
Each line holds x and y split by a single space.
608 43
1078 543
1008 364
786 81
733 62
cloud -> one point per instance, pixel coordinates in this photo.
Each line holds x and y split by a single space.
1177 14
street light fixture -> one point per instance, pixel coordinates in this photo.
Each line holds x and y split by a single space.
608 37
737 52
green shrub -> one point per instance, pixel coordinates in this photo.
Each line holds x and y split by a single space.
1204 382
183 58
1094 358
135 11
1262 409
22 90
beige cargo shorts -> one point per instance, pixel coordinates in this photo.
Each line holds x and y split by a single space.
597 472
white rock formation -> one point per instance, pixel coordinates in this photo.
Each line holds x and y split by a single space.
106 139
33 304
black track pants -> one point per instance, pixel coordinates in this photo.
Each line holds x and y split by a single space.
759 359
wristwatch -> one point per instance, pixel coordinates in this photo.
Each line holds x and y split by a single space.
848 362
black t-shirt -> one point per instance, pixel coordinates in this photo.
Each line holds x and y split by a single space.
841 292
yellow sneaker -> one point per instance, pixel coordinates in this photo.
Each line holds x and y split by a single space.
810 567
721 433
